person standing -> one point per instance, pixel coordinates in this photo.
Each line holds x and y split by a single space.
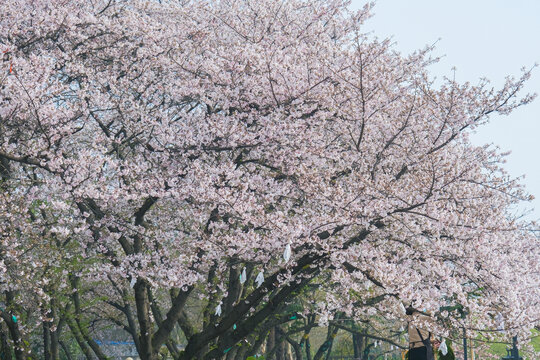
420 340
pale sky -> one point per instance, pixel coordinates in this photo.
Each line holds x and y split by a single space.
481 38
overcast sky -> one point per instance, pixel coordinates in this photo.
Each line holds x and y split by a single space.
481 38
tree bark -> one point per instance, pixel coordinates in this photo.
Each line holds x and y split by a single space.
358 347
78 337
75 283
55 346
5 349
172 317
271 342
171 345
326 347
13 327
127 310
65 349
46 340
145 325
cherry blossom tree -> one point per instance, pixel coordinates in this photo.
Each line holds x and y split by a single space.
234 151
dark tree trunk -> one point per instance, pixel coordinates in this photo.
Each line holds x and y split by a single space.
66 350
7 316
326 347
83 330
281 352
5 349
359 342
305 343
50 337
46 340
78 337
242 353
55 346
308 349
13 327
271 342
145 325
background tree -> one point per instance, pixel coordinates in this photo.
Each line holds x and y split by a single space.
184 148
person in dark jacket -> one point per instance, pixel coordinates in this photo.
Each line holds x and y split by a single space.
420 341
